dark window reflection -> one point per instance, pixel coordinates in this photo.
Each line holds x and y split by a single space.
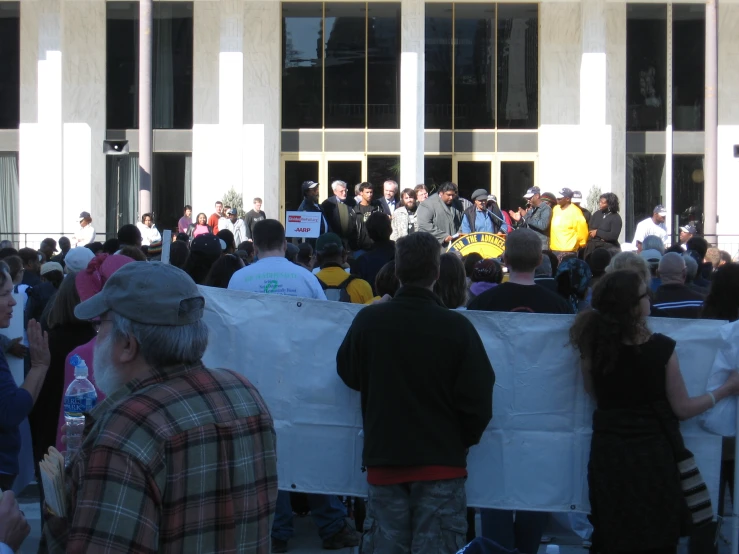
384 168
171 185
646 67
436 170
383 66
687 190
438 56
172 59
472 176
474 66
10 57
515 179
518 66
302 54
344 86
688 66
645 188
295 174
348 171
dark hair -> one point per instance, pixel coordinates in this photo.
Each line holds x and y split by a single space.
28 255
187 207
143 217
612 201
386 281
228 237
364 186
5 252
63 304
269 234
218 202
4 273
417 259
133 252
247 246
676 249
111 246
257 199
95 247
305 252
469 262
722 301
199 264
523 251
448 186
379 227
182 237
553 259
487 271
54 277
410 192
291 252
420 187
598 333
222 270
698 244
197 217
724 256
178 253
452 284
15 266
129 235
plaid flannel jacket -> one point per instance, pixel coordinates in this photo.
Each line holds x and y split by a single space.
183 460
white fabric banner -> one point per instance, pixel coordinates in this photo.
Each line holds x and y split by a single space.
534 453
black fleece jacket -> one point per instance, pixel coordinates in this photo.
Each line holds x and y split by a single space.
425 398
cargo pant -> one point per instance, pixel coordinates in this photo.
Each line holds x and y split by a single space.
423 517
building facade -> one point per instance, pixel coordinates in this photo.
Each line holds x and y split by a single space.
260 95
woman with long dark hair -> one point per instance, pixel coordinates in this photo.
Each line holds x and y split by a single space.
722 301
637 504
605 225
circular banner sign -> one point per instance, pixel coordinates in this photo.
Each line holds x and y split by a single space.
488 245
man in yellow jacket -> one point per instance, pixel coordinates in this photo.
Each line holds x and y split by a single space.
568 231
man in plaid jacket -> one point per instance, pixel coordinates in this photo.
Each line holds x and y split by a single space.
178 457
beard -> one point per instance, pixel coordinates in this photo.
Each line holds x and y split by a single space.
107 377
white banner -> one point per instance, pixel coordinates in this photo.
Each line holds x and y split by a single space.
534 453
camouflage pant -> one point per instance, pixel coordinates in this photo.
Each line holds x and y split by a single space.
425 517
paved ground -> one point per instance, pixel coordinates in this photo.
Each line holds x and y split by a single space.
306 539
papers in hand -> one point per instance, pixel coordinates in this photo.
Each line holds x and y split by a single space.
52 479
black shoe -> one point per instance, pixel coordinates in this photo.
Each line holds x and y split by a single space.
278 546
344 538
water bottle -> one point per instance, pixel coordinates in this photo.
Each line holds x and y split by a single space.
79 399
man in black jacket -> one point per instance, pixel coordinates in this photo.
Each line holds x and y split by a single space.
422 408
252 217
339 212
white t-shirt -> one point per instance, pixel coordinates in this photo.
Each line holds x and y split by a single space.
648 228
277 275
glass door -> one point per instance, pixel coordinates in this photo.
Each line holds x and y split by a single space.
350 168
471 174
296 170
515 177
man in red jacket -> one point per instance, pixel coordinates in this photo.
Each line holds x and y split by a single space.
214 218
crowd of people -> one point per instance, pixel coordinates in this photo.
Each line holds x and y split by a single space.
176 452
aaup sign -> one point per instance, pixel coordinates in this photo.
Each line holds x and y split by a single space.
303 225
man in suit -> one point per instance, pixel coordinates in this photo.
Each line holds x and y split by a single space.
441 215
389 201
339 212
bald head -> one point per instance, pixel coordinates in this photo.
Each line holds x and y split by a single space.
672 268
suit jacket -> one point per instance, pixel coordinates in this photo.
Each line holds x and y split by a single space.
437 218
386 207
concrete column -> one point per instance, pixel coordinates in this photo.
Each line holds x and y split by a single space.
262 47
83 112
412 92
710 163
616 95
146 18
40 167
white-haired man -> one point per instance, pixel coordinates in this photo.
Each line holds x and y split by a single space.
339 212
178 457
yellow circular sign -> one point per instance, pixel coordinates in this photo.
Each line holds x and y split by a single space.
488 245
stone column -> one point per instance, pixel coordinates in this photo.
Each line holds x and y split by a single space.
412 92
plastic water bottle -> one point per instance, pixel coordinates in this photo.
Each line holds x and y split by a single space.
79 399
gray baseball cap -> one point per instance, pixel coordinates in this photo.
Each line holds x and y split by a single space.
152 293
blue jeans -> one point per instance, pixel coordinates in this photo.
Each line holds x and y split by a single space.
524 534
327 510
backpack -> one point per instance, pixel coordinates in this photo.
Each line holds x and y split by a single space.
338 293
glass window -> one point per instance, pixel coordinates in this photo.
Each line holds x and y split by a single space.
172 59
515 179
171 176
687 190
472 176
645 188
436 170
381 169
10 58
688 66
295 174
348 171
344 86
474 66
302 59
646 67
438 55
383 66
518 66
